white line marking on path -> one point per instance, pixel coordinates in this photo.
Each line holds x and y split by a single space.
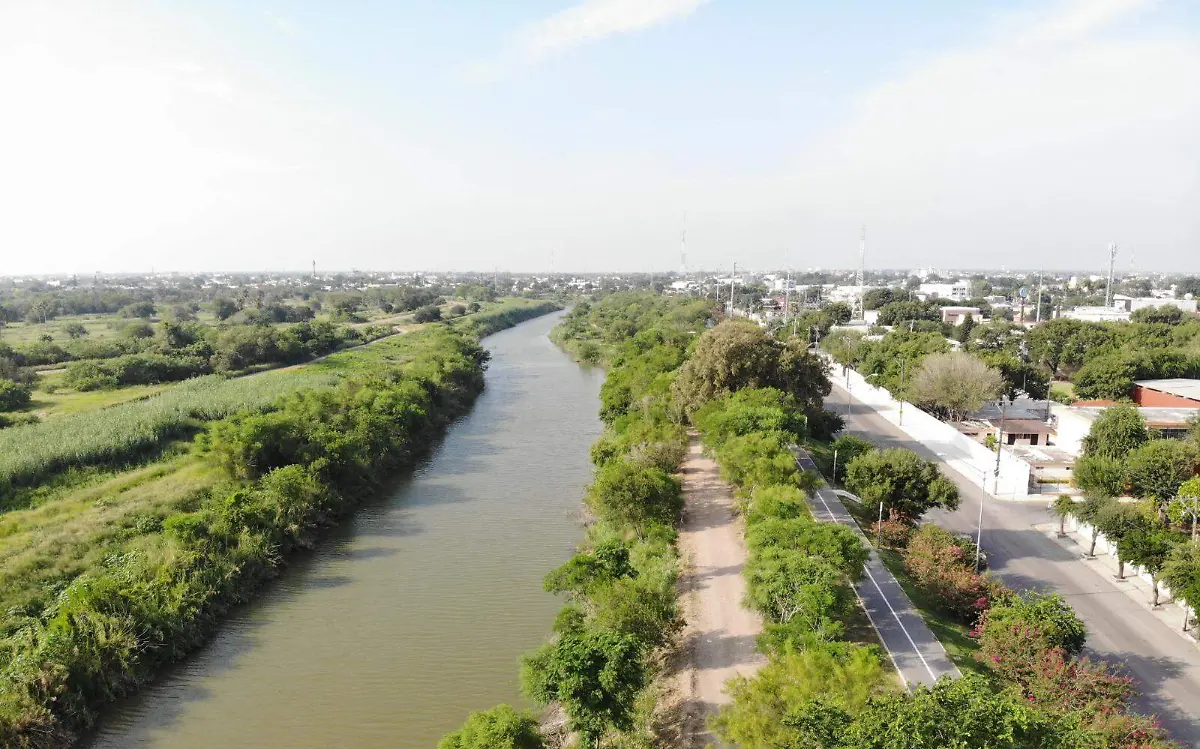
886 602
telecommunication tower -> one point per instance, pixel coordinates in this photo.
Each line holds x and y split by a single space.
1112 261
859 311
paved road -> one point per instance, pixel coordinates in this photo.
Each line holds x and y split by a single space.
720 640
1119 629
916 651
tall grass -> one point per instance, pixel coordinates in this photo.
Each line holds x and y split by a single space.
126 431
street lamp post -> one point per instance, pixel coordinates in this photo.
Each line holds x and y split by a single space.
879 528
996 476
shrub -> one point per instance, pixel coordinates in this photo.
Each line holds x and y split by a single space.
942 564
499 728
635 494
757 458
778 501
1046 619
14 395
430 313
892 534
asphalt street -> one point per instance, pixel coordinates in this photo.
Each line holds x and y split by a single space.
1120 630
914 649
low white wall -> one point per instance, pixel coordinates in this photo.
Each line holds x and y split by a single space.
966 456
1074 525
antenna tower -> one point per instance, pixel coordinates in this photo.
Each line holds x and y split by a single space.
859 312
1112 261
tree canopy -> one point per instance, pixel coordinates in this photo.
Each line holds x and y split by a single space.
1116 432
594 675
955 384
736 355
902 481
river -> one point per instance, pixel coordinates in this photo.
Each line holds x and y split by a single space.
416 610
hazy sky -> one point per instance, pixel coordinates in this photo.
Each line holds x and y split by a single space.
264 134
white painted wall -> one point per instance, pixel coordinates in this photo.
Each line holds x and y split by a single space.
971 459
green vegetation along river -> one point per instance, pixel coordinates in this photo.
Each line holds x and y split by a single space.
415 610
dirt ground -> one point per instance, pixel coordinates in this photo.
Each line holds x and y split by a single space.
719 641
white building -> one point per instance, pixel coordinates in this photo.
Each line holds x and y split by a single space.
1097 314
959 291
1133 304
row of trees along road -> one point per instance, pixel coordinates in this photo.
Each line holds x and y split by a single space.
1157 532
817 689
1103 360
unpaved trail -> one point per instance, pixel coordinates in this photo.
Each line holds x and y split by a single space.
719 641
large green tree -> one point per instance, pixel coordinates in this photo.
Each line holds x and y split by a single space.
1099 476
1116 432
1158 468
790 587
595 676
1106 377
1117 521
838 673
955 384
965 713
1148 545
901 481
738 354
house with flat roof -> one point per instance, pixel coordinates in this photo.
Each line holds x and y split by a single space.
958 315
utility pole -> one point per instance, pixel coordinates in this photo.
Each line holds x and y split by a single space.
787 298
860 310
996 475
1037 318
1112 260
683 248
732 280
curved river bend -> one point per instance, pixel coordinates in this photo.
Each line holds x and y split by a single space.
415 611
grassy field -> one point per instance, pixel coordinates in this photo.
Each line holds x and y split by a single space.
63 401
130 430
98 326
1062 391
74 527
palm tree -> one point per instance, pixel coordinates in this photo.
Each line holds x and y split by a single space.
1064 507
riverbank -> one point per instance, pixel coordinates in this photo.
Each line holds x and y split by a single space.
106 584
414 610
601 671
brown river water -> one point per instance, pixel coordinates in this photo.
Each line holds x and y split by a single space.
416 610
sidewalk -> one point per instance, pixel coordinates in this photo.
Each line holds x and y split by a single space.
920 658
1134 585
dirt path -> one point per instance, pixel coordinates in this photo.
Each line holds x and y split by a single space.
720 636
